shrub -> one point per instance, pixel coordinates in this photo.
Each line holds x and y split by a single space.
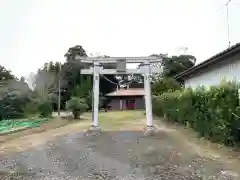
165 84
45 108
213 113
77 106
157 107
174 105
102 100
31 108
12 105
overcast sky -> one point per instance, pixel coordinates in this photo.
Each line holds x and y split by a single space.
35 31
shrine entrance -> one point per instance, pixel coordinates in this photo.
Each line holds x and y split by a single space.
121 69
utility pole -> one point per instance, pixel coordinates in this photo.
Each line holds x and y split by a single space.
59 91
229 43
228 28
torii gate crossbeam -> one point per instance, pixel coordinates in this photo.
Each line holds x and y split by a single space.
144 69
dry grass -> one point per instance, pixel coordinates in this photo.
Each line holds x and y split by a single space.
117 121
52 124
204 148
108 121
20 141
121 120
37 136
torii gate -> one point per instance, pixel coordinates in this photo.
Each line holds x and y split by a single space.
144 68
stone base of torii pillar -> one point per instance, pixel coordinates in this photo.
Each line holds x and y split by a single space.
150 131
93 131
96 131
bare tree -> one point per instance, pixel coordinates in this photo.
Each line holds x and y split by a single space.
43 83
30 80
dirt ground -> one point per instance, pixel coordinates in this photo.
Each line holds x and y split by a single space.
120 152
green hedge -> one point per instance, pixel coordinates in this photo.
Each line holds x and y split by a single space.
214 113
45 109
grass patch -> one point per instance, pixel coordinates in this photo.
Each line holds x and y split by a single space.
53 123
9 125
120 119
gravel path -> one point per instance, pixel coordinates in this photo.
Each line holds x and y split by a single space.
112 156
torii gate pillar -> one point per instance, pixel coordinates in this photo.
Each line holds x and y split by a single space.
147 89
96 69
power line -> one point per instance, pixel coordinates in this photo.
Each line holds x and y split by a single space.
117 84
225 4
109 80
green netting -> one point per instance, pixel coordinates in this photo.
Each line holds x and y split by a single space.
6 125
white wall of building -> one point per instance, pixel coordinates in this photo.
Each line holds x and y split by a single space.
228 70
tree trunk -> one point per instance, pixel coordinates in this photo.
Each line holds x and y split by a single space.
76 114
